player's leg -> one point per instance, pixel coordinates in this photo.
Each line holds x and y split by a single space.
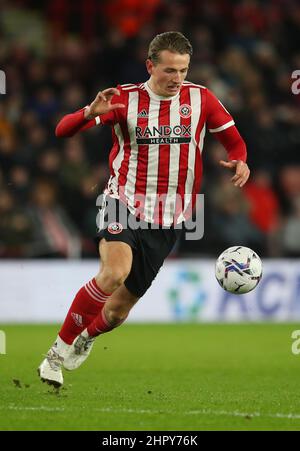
114 313
116 260
153 247
119 305
115 265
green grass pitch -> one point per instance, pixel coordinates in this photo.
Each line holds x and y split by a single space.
157 377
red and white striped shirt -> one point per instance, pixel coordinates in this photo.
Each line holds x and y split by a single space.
155 162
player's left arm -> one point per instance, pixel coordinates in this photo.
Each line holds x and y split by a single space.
237 154
221 124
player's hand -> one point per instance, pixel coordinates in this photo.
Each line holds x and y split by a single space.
102 103
242 171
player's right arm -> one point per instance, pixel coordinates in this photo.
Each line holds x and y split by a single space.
89 116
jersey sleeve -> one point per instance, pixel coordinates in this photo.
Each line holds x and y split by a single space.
73 123
221 123
217 117
233 143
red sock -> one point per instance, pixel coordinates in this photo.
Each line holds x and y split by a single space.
100 325
87 304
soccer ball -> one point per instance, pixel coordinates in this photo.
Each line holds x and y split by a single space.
238 269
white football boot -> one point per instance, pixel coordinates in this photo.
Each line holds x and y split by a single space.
79 351
50 369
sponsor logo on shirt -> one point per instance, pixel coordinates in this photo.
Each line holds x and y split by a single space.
143 113
165 134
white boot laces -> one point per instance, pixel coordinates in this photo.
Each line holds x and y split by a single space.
54 359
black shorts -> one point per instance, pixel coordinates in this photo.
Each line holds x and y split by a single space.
149 247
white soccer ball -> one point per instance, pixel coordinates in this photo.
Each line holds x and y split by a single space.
238 269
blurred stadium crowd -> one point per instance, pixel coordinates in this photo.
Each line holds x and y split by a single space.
58 54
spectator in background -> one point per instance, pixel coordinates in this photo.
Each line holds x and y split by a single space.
74 169
73 96
263 202
75 165
54 234
268 139
129 16
230 218
289 183
20 184
291 231
44 104
37 140
49 163
15 227
264 208
7 141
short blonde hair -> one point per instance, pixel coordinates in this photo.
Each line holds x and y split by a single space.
174 41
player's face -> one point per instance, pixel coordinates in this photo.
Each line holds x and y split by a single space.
167 76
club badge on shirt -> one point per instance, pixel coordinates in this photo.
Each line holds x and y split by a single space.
185 111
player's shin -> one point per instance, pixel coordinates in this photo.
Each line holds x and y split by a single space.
87 305
101 324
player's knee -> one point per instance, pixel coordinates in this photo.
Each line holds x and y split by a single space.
116 316
114 278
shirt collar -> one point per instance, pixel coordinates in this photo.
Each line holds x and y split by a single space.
157 97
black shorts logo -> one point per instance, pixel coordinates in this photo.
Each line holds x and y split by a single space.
115 227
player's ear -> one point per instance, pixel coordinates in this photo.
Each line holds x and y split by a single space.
149 66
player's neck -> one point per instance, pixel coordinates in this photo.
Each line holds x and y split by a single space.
155 89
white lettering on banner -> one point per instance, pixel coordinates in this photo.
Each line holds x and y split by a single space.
2 342
296 83
296 344
2 82
269 299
